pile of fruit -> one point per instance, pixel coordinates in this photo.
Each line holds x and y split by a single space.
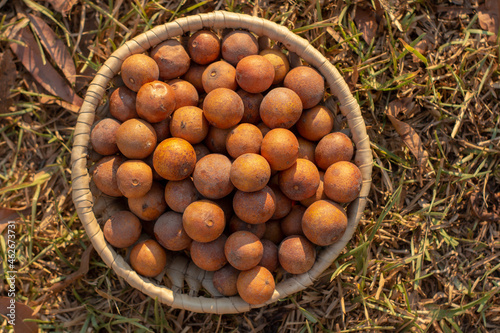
231 155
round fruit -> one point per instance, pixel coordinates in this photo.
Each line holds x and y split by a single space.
162 129
134 178
201 151
315 123
256 286
174 159
343 182
225 280
170 233
189 123
307 83
254 74
103 136
139 69
122 104
300 181
292 223
280 148
251 105
180 194
104 175
320 192
223 108
204 47
324 222
279 61
209 255
263 128
194 76
306 149
211 176
273 231
283 203
216 139
270 256
250 172
155 101
332 148
136 139
203 221
254 207
243 250
172 59
122 229
185 93
148 258
296 254
236 224
150 206
219 74
281 107
237 45
242 139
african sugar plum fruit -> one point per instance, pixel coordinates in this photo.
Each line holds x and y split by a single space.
134 178
236 224
237 45
343 181
280 108
155 101
283 203
204 47
180 194
104 175
254 207
296 254
243 138
250 172
172 59
162 129
307 83
219 74
300 181
204 221
273 231
139 69
251 105
122 229
185 93
169 232
280 148
306 149
279 61
254 74
151 205
174 159
103 136
209 255
270 255
136 139
223 108
190 124
194 76
243 250
320 192
292 223
332 148
211 176
122 104
215 140
324 222
256 285
201 151
148 258
225 279
315 123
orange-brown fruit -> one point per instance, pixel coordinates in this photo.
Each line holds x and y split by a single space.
150 206
185 93
137 70
237 45
320 192
122 104
263 128
190 124
243 250
104 175
280 148
270 256
343 182
170 233
148 228
283 203
174 159
306 149
204 47
296 254
103 136
149 161
307 83
134 178
122 229
180 193
251 105
203 221
216 139
243 138
254 207
209 255
194 76
254 74
226 204
315 123
300 181
155 101
223 108
162 129
333 148
324 222
273 231
219 74
136 139
292 223
211 176
279 61
148 258
236 224
250 172
256 285
172 59
201 151
280 108
225 280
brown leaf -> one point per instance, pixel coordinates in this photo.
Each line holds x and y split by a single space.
402 105
55 47
367 23
489 17
62 6
7 77
16 313
6 215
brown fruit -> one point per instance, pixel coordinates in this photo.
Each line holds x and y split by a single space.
263 128
315 123
225 280
242 139
296 254
236 224
122 229
223 108
243 250
201 151
280 148
324 222
180 194
251 106
306 149
149 161
104 175
148 258
254 74
226 204
122 104
250 172
190 124
162 129
256 286
209 255
279 61
307 83
270 256
320 192
300 181
333 148
204 47
134 178
203 221
237 45
194 76
273 231
280 108
254 207
172 59
170 233
216 139
150 206
103 136
136 139
137 70
148 228
292 223
185 93
155 101
343 182
211 176
174 159
283 203
219 74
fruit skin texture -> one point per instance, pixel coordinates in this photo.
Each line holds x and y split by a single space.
280 148
237 45
320 192
104 175
270 257
210 255
251 103
211 176
134 178
306 149
219 74
189 123
343 181
155 101
292 223
103 136
333 148
236 224
315 123
148 258
180 193
169 232
300 181
172 59
122 104
204 221
225 280
137 70
242 139
280 108
273 231
296 254
256 285
283 203
243 250
174 159
307 83
136 139
324 222
150 206
279 61
122 229
185 93
194 76
254 74
254 207
216 139
162 129
223 108
204 47
250 172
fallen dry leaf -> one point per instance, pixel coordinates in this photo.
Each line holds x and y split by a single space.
491 210
62 6
489 17
6 215
17 315
367 23
7 77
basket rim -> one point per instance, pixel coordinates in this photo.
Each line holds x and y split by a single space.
82 196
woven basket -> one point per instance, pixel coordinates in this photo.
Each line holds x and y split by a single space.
179 269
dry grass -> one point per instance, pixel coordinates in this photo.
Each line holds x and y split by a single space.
425 256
